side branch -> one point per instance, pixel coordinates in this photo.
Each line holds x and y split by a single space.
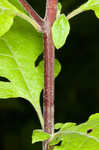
31 12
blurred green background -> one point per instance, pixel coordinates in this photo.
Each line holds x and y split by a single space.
77 91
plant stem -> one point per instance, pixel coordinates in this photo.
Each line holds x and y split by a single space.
31 12
49 55
30 20
74 13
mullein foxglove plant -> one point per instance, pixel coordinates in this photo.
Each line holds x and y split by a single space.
24 35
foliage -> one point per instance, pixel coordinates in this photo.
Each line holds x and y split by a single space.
84 136
91 5
7 14
20 46
39 135
60 31
61 27
19 49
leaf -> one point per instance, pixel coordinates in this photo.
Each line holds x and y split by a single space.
59 7
17 5
58 125
19 49
67 126
91 5
60 31
7 90
81 137
39 136
60 134
7 14
63 126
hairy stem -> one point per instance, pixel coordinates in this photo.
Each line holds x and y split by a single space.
49 54
74 13
31 21
38 20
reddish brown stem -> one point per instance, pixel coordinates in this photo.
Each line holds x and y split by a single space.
49 55
31 12
49 50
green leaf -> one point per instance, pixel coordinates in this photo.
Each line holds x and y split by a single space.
67 126
19 50
7 13
91 5
57 68
63 126
17 5
58 125
61 133
59 7
39 136
84 136
7 90
60 31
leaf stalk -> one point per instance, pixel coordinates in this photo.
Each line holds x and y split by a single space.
74 13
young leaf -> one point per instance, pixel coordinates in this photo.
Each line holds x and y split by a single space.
58 125
60 134
19 49
59 7
39 136
84 136
89 5
92 5
60 31
63 126
67 126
